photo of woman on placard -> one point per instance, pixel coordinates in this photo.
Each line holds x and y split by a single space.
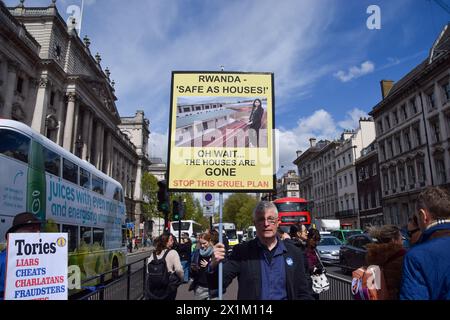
254 123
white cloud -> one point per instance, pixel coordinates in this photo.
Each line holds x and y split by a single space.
319 125
355 71
352 119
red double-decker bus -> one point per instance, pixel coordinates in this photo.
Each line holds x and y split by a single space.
292 211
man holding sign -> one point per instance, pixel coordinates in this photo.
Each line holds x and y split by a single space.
36 263
23 223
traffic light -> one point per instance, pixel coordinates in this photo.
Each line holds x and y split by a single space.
163 197
176 210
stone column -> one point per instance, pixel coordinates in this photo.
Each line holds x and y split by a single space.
40 109
59 101
110 155
68 128
106 152
98 145
102 147
90 155
137 184
76 134
10 88
86 125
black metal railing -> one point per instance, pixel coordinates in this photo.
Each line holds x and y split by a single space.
340 289
128 286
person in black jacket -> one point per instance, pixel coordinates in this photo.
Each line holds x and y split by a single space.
267 268
184 250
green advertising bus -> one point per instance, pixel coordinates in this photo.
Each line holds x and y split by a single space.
68 194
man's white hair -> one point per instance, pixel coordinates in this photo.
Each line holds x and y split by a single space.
263 206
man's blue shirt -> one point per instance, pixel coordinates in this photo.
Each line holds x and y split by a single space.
273 272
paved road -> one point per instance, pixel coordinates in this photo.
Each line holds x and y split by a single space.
184 294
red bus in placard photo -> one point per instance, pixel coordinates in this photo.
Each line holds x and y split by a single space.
292 211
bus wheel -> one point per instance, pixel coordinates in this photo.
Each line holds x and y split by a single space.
115 265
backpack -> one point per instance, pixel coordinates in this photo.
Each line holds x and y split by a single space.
369 283
158 278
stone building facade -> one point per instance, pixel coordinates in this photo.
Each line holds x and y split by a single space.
413 132
369 187
50 80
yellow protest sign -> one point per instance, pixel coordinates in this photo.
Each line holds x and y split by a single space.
221 132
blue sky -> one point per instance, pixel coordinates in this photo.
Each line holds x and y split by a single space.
327 63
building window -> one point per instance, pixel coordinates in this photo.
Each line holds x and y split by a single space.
388 122
386 182
446 89
353 203
343 160
345 181
339 164
413 105
374 170
436 131
390 149
411 174
404 113
52 98
431 100
394 179
422 174
377 198
407 140
399 144
347 204
401 172
351 178
383 153
19 87
380 127
395 117
340 183
369 202
417 138
440 169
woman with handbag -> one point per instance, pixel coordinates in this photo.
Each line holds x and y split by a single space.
316 269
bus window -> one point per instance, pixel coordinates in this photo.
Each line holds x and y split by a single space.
14 145
86 235
85 179
70 171
52 162
97 185
72 233
99 235
116 195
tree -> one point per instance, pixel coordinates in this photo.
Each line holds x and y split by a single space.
238 208
149 185
192 208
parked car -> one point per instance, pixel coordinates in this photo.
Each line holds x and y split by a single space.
329 248
344 234
353 254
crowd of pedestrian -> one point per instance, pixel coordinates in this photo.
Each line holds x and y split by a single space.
280 265
277 265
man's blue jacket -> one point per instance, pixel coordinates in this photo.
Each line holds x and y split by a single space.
426 267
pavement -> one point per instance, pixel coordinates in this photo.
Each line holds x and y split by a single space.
141 251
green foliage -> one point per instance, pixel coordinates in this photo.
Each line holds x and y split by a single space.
149 185
192 208
238 208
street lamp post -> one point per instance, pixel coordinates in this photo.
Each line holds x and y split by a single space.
357 195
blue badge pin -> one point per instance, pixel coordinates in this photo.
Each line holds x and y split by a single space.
289 261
